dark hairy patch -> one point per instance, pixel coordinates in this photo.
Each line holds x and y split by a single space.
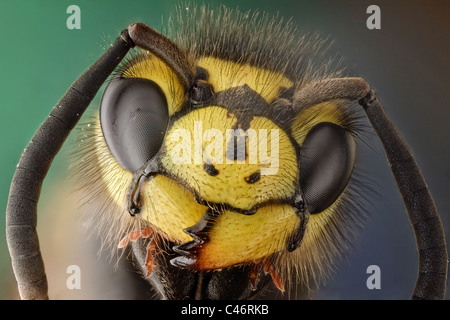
210 169
254 177
268 42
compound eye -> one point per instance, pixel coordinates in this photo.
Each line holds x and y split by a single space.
134 118
327 158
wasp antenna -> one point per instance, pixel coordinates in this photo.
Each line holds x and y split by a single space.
422 211
153 41
330 89
21 211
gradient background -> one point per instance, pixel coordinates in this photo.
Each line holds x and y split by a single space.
407 62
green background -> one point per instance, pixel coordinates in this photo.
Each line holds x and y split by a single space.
407 62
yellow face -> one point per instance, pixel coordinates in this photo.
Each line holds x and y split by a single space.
198 169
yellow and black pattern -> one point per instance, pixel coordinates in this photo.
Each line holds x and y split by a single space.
220 214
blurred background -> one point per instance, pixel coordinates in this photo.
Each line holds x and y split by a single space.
407 61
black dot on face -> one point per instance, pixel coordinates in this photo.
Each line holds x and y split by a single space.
210 169
254 177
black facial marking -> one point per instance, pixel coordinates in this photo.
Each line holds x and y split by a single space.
254 177
237 149
282 112
210 169
243 102
202 74
286 93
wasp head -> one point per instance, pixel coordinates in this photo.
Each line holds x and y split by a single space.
230 177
